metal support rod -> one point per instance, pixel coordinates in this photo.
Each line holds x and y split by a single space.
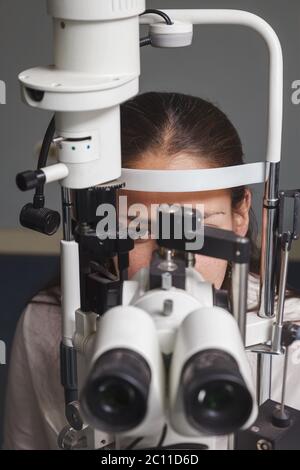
69 271
239 296
263 377
283 279
283 391
258 378
277 329
269 243
70 303
67 213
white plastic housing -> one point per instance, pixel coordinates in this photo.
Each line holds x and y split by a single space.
132 328
177 34
55 172
70 288
96 68
97 158
92 10
197 293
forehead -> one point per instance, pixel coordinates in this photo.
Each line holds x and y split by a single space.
219 200
212 200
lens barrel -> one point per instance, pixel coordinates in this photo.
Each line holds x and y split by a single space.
115 396
216 399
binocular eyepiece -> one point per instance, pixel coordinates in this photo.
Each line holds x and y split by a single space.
117 390
215 397
208 392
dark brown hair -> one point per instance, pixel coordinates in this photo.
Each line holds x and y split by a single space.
169 124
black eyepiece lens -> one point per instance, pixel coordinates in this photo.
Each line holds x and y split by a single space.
216 398
115 397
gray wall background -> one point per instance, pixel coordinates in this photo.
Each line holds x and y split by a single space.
227 65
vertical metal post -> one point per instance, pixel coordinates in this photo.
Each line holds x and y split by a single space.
67 213
239 296
269 243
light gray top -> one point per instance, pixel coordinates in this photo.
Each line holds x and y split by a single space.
35 401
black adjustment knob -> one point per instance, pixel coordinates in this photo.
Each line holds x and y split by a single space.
281 418
41 220
30 179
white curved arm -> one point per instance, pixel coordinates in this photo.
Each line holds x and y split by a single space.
187 181
243 18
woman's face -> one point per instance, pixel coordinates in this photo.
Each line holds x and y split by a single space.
218 212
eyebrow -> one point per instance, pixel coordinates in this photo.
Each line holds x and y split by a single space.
209 214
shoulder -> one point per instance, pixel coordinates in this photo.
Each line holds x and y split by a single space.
291 305
40 326
40 333
51 296
35 370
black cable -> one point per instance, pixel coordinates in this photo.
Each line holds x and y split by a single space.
145 41
163 436
43 156
134 443
42 161
160 13
139 439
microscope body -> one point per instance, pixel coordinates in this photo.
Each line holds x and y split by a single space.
175 344
96 68
168 329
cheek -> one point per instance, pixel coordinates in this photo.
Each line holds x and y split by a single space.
212 269
140 256
227 222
